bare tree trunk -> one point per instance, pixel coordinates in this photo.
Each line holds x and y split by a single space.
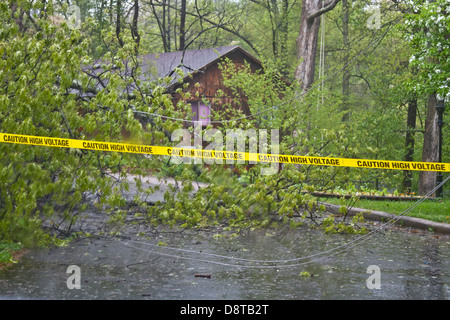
284 26
307 44
162 19
274 16
134 27
430 152
307 39
100 14
111 12
118 22
409 143
169 27
182 26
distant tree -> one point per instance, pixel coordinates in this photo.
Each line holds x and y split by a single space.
428 25
307 38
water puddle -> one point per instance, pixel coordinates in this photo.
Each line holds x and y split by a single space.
199 265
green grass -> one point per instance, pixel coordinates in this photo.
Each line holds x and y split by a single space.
434 210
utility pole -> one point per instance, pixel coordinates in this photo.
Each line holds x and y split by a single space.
440 107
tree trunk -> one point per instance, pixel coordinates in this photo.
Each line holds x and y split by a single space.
118 22
284 27
274 16
134 27
345 71
409 143
18 17
182 26
307 39
307 43
430 152
100 14
111 10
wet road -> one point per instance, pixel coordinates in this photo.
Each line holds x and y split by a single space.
412 266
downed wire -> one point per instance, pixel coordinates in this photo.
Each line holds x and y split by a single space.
262 264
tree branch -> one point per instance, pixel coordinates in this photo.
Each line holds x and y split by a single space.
364 79
327 6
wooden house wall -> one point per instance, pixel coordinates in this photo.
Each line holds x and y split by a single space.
207 83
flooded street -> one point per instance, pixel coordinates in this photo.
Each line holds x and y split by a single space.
203 265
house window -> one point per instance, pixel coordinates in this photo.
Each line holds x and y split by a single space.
201 113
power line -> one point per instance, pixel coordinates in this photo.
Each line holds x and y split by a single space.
294 262
314 257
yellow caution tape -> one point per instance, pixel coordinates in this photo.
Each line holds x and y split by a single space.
224 155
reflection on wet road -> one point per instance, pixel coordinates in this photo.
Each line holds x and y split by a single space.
197 265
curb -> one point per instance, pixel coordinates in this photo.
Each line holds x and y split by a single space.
404 221
365 196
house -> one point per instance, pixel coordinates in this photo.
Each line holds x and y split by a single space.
203 78
201 74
